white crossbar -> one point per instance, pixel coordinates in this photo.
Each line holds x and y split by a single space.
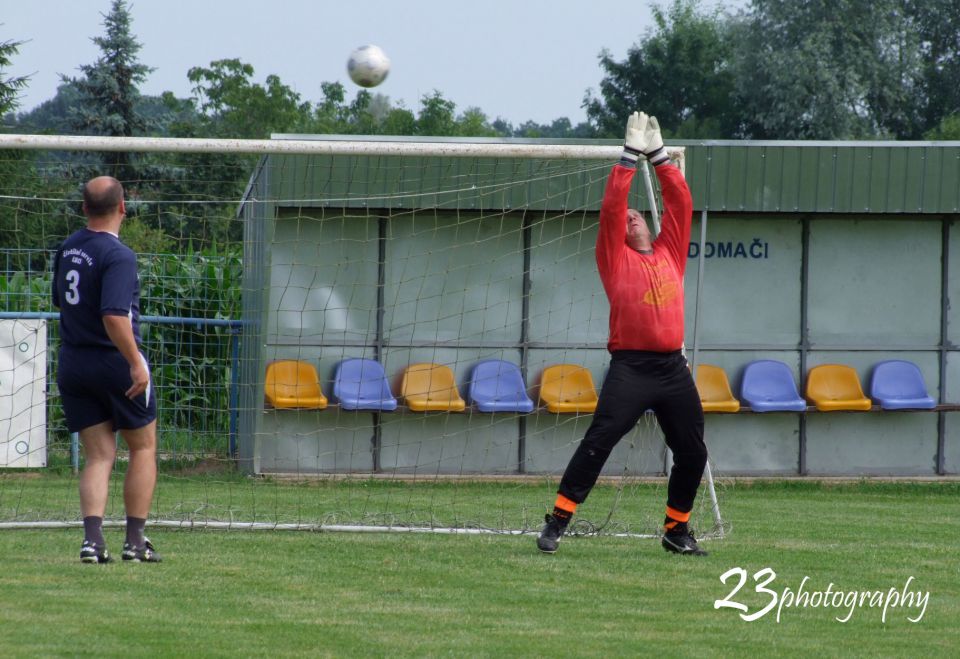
316 147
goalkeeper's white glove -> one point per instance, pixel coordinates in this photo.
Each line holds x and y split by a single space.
633 142
652 141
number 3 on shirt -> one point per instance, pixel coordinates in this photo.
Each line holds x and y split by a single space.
72 295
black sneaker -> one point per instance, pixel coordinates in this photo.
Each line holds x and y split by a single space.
91 553
550 535
680 540
145 554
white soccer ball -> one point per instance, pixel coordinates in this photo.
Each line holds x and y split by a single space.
368 66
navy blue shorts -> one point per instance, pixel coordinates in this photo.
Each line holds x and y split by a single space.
93 382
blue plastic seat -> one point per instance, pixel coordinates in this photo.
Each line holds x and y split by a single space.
361 384
899 385
497 386
768 386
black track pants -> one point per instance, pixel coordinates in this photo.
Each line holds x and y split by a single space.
638 381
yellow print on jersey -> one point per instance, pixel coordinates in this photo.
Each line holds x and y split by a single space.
662 292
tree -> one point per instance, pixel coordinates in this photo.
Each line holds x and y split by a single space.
827 69
27 220
781 69
365 113
10 86
678 72
331 114
947 129
436 116
399 121
557 128
168 115
226 103
231 105
109 90
53 115
474 123
895 93
937 25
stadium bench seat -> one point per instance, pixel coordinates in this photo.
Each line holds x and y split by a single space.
497 386
835 387
898 385
568 388
361 384
431 388
768 386
293 384
714 388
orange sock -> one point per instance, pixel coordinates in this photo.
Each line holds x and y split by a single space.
675 517
564 508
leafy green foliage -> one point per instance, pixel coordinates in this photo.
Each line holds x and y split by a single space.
937 25
53 116
191 363
948 129
786 70
22 290
776 69
436 116
229 104
561 128
108 90
10 86
826 70
679 72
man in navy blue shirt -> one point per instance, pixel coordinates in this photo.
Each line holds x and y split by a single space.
103 377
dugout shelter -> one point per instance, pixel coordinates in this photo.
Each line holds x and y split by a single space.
805 253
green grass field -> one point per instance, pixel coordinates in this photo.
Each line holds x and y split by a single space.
289 593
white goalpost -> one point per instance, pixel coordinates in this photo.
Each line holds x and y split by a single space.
317 251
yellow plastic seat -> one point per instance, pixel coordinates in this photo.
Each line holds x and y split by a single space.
568 388
293 384
833 387
431 388
714 388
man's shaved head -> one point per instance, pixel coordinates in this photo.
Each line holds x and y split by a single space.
102 196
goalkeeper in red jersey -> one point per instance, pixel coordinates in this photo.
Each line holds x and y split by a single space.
643 280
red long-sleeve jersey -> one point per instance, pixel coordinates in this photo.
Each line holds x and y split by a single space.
645 290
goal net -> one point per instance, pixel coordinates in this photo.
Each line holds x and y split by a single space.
343 335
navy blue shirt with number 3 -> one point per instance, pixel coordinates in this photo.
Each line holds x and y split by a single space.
94 275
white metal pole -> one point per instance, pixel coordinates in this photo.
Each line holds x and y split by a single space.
654 208
345 146
696 305
701 263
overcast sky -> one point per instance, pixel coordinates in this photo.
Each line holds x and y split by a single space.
515 59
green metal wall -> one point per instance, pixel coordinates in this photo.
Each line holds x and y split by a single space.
760 176
826 177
